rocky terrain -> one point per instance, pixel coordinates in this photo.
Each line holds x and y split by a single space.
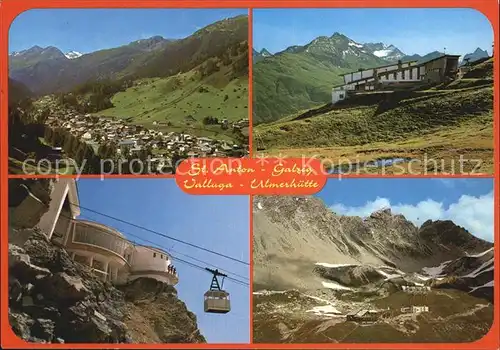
313 267
53 299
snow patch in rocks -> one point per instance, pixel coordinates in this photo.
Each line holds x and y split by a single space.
334 286
324 310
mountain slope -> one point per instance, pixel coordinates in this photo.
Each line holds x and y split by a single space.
216 41
48 70
302 76
54 299
18 91
432 122
313 267
302 231
203 75
260 55
33 56
170 85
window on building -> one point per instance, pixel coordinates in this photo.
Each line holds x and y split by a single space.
154 255
403 75
395 76
341 96
411 74
161 256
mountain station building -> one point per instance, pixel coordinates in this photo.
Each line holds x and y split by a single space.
397 75
104 249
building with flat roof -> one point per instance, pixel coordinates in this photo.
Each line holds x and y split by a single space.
109 254
397 75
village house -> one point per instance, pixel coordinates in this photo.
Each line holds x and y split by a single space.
104 249
87 136
414 309
416 289
126 145
135 138
397 75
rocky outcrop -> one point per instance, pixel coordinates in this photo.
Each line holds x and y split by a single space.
55 299
351 276
28 200
471 273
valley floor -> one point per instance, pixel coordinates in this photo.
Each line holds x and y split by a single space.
296 317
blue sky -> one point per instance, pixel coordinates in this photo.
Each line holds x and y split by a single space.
467 202
219 223
87 30
411 30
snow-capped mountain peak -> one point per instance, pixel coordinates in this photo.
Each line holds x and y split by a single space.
355 44
265 53
72 55
384 51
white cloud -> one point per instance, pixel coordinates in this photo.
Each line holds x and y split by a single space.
475 214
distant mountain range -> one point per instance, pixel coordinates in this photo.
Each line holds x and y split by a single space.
259 55
301 77
476 55
381 50
49 70
49 53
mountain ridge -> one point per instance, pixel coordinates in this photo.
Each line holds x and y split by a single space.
382 238
48 70
301 77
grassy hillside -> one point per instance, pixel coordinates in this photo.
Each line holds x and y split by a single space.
287 83
172 85
219 41
180 103
443 122
302 77
359 125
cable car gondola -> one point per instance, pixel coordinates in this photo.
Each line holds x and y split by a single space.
217 299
